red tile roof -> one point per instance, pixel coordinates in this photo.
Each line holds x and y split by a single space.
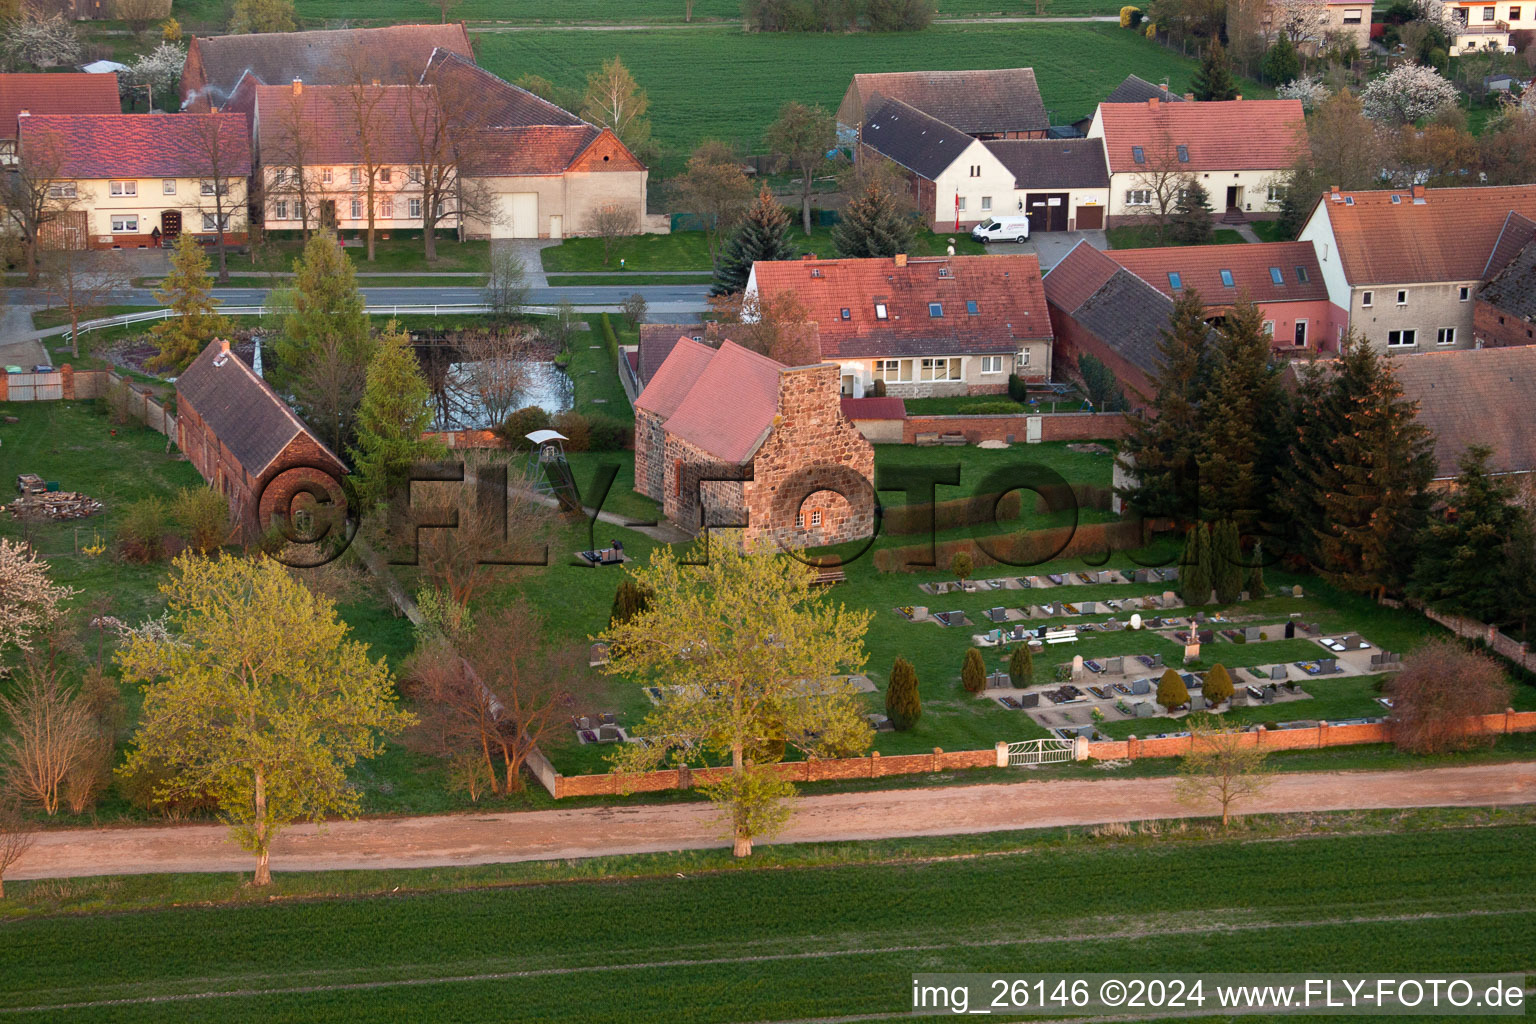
1475 396
55 94
1009 298
328 117
731 407
497 102
656 342
136 145
538 150
976 102
1448 236
1251 266
888 408
670 382
1230 135
1081 272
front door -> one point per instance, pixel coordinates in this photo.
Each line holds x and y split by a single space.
170 225
1301 334
1234 197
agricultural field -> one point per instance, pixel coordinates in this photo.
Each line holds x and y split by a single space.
664 938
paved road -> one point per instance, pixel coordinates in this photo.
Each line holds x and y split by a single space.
599 831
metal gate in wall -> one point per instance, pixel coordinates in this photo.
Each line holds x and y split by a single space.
1041 752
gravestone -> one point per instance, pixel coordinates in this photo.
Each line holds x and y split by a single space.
1290 630
1196 702
1077 667
1115 666
1136 620
1251 634
1191 653
1146 709
1169 598
1296 590
1278 672
1028 700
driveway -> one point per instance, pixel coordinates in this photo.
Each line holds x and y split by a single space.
1053 246
496 838
529 250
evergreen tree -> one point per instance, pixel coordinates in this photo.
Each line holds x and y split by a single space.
1171 691
1218 685
903 703
1160 452
1371 485
188 289
1195 566
874 224
1245 411
1467 563
1254 584
1282 63
1226 562
764 235
973 672
629 600
1213 80
1021 667
1297 500
394 414
1191 222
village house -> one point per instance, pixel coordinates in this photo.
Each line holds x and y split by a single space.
100 10
391 55
923 327
1338 23
23 95
1406 265
1239 150
1283 279
725 437
245 441
1003 103
1474 25
139 180
1504 309
1475 396
1135 89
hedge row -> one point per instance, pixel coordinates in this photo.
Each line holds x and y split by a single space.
1021 550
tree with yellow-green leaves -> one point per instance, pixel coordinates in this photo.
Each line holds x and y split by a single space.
256 699
749 656
187 289
1224 765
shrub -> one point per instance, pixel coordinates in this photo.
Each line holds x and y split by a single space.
1017 389
1021 667
141 534
629 600
578 435
998 408
520 423
903 703
1218 684
1171 691
962 565
610 339
606 434
122 404
877 390
973 673
1442 684
170 31
203 515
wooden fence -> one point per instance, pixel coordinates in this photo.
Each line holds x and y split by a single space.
66 384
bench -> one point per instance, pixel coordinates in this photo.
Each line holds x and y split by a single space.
827 577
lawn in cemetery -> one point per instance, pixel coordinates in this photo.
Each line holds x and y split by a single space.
693 940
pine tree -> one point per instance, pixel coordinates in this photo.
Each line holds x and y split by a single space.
1282 63
973 672
1021 667
1226 562
1191 222
1213 80
1160 451
188 289
1171 691
874 224
1465 565
764 235
1218 685
395 412
1195 567
1372 483
903 703
1299 509
1245 411
1254 584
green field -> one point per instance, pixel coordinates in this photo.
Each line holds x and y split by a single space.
798 943
617 12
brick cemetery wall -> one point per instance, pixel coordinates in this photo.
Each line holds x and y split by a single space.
1065 426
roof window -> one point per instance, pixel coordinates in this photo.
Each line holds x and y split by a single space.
1138 154
1396 199
1174 280
1276 276
1183 154
935 309
1226 279
1349 200
880 311
1301 275
971 307
847 313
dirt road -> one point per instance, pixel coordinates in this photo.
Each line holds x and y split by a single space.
597 831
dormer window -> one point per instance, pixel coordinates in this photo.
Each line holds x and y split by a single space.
1138 154
935 309
1226 279
881 312
1183 154
1276 276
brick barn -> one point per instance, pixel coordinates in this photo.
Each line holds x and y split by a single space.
245 441
728 437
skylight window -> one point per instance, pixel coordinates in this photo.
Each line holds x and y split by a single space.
1183 154
880 311
971 307
1174 280
935 309
1138 154
1301 275
1226 279
1276 276
847 313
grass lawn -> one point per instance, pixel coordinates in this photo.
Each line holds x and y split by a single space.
1269 231
43 319
978 465
606 12
363 281
393 255
1136 236
632 280
839 942
689 250
752 75
970 405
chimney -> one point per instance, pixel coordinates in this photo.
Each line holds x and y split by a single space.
712 329
809 257
24 113
1418 192
1189 97
223 347
1238 96
901 259
298 86
1152 102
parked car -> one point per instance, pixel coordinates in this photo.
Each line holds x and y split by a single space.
1002 229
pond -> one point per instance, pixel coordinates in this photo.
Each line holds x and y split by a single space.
462 406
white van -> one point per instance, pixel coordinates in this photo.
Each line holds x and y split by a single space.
1002 230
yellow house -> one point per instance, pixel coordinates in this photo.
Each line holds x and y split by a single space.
119 181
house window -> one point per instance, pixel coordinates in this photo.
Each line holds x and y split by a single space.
385 174
413 175
64 190
960 202
935 309
1489 14
815 518
880 311
357 209
799 520
1276 276
413 207
986 203
1276 193
975 170
1301 334
942 369
845 313
1445 336
280 210
894 371
1175 281
124 188
991 364
326 177
1138 197
125 225
971 307
1353 16
356 176
1514 14
1402 339
1464 293
1269 328
168 187
207 188
1021 360
1138 154
211 222
1226 279
280 175
1367 299
1301 275
1402 296
387 209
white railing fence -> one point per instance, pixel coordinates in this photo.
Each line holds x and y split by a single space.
151 315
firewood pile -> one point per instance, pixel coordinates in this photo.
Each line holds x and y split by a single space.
54 505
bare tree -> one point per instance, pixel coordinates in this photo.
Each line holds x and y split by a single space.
506 287
442 7
1441 686
362 108
610 221
52 734
289 158
1159 183
615 101
139 13
80 280
446 195
715 189
634 308
1223 766
223 162
494 369
41 200
777 327
15 836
